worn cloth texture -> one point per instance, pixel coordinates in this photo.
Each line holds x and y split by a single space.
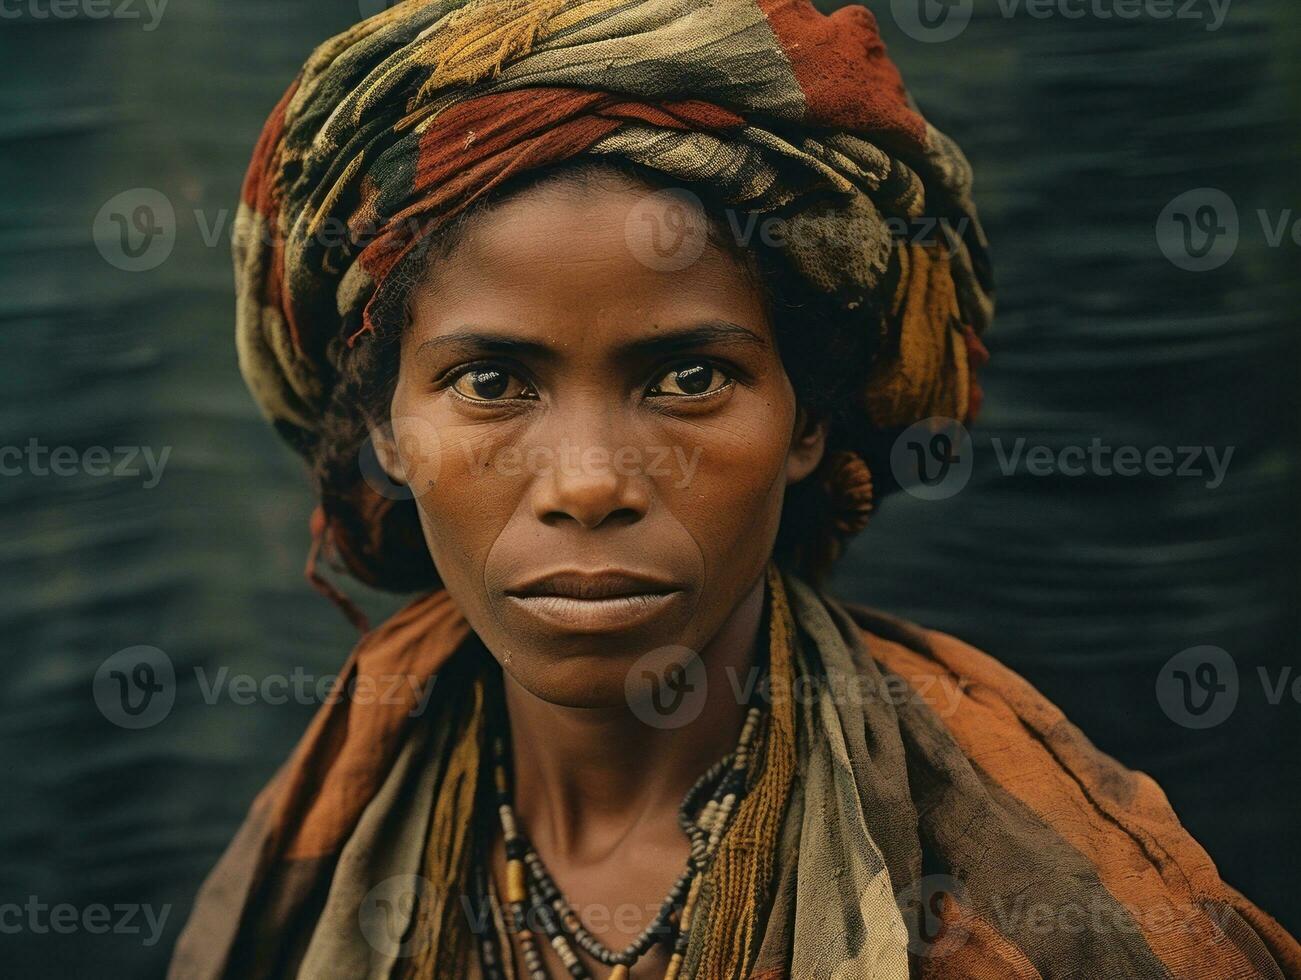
938 818
398 125
925 812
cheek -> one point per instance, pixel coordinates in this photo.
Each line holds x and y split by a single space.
732 478
717 484
465 481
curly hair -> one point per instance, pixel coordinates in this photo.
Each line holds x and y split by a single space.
826 348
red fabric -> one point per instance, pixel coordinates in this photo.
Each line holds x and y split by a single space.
473 147
848 80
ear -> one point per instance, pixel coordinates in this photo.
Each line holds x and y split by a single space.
807 447
384 439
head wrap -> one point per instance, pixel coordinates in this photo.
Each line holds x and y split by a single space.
396 126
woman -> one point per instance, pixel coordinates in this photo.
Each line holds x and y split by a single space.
592 318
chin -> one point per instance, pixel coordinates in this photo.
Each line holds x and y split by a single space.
590 669
574 681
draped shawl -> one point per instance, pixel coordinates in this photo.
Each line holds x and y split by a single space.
938 818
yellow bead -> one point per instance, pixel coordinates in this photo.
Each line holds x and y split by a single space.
620 972
515 890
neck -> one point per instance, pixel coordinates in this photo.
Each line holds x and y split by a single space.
588 778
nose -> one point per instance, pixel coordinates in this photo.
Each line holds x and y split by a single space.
591 478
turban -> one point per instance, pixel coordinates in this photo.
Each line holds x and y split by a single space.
395 127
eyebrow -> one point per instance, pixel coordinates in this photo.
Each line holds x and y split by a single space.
474 343
696 335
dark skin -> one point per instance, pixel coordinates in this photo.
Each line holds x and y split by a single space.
553 391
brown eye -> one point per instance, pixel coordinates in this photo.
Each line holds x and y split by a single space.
487 384
690 378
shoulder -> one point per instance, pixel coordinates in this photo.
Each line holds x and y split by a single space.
1013 733
1029 753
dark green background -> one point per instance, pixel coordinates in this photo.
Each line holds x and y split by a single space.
1080 131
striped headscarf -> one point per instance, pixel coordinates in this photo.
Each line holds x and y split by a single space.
398 125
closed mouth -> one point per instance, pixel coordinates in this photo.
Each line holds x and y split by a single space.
593 586
595 603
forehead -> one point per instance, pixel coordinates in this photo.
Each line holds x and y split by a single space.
604 253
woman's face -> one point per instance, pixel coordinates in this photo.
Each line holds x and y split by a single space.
598 431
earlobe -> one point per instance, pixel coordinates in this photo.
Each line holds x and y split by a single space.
807 447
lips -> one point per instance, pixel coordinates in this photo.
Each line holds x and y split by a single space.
594 602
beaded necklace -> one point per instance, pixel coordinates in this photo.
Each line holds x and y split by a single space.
533 902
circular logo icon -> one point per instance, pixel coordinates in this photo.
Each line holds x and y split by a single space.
1198 687
1199 230
667 231
922 903
401 459
932 459
386 912
135 230
932 21
135 687
666 688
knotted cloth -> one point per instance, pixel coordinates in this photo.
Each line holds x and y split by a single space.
396 126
